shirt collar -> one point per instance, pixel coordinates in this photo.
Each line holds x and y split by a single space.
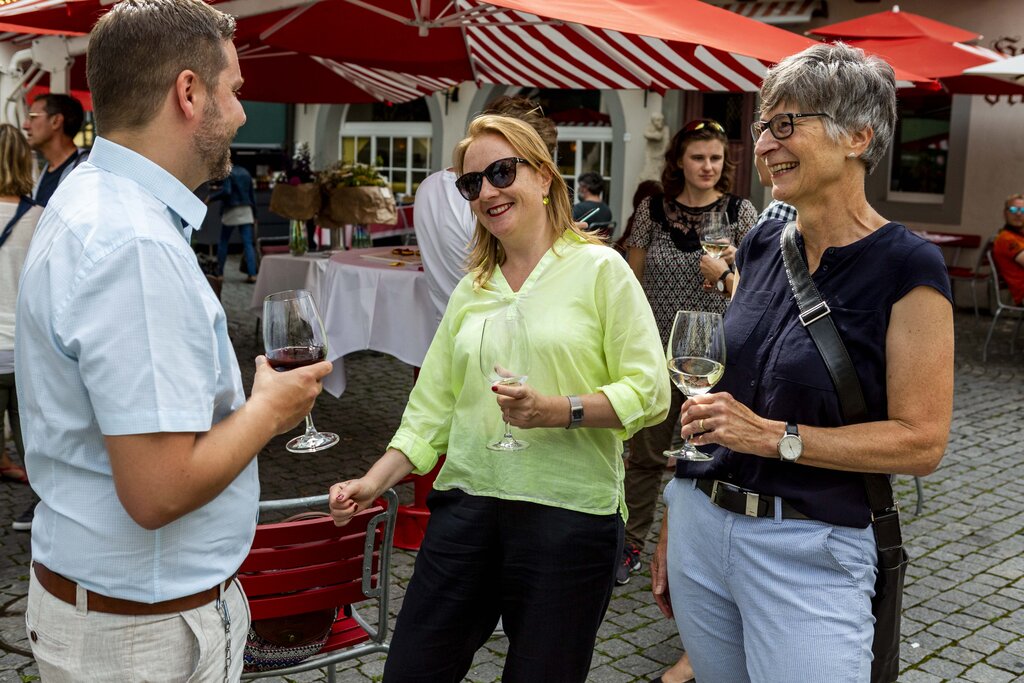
119 160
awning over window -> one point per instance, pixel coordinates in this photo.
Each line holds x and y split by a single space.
783 12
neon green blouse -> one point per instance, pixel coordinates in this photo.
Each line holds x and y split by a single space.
591 329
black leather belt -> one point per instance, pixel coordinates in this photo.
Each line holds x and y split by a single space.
743 502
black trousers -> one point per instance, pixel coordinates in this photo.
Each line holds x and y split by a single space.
547 572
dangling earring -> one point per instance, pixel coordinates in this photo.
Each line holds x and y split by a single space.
545 201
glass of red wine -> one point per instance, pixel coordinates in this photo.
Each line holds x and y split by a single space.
293 335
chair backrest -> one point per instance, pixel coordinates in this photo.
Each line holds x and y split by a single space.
982 262
998 285
303 566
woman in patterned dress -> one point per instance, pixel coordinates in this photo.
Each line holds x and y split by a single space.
664 252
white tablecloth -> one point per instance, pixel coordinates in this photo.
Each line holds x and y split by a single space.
279 272
365 304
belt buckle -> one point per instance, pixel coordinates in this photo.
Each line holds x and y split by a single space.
752 499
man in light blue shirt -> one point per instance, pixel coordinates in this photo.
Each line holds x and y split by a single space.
139 439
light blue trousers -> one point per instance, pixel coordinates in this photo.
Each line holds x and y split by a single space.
769 600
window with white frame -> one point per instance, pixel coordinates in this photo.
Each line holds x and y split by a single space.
582 149
400 150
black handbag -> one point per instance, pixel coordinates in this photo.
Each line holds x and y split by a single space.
887 604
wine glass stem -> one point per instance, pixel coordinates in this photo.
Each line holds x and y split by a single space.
310 429
508 432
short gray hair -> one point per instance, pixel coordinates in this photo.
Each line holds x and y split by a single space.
854 89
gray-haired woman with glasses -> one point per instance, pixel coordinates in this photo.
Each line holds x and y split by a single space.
767 557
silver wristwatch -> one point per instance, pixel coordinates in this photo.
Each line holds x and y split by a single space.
575 412
791 446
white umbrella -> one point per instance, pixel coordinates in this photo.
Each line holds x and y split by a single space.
1011 69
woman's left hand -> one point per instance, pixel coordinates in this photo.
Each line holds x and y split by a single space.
712 269
521 406
721 419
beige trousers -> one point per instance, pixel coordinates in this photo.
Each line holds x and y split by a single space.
73 645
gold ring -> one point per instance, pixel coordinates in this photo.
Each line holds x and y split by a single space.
700 424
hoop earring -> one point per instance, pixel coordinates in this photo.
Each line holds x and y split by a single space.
546 200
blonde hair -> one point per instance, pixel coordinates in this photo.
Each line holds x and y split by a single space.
487 252
15 163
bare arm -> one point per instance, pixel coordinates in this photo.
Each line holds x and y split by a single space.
636 258
349 497
1019 258
919 390
161 477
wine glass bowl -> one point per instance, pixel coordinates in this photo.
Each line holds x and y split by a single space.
505 361
293 336
696 362
714 232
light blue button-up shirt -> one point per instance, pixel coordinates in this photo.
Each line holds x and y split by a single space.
119 333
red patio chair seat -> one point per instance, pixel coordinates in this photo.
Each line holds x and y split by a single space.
296 567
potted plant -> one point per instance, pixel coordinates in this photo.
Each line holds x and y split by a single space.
357 194
296 195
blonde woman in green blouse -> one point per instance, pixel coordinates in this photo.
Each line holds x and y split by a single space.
531 536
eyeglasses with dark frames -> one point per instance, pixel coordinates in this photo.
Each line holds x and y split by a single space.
499 174
781 126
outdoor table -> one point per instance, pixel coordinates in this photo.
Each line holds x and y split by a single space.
368 298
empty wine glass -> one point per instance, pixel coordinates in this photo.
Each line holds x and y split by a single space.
715 235
293 335
505 360
696 362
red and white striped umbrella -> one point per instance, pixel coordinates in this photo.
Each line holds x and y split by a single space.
271 74
778 12
275 75
618 44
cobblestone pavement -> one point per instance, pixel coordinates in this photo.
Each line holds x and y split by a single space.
964 603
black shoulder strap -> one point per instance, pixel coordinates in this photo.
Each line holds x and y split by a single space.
815 316
657 208
24 204
732 208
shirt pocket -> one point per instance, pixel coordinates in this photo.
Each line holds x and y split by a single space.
799 374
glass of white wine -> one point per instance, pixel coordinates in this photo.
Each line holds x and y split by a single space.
696 362
505 360
715 234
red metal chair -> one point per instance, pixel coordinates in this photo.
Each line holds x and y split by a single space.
1007 305
411 523
305 566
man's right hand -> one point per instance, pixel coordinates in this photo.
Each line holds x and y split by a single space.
287 396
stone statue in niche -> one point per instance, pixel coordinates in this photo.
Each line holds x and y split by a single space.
656 137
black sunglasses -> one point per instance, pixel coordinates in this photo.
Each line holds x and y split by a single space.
499 174
781 126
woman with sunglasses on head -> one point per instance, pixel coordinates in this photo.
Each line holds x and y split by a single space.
664 252
530 536
769 548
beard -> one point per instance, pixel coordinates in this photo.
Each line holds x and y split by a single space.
213 143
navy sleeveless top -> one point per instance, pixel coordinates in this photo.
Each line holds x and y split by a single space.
774 368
